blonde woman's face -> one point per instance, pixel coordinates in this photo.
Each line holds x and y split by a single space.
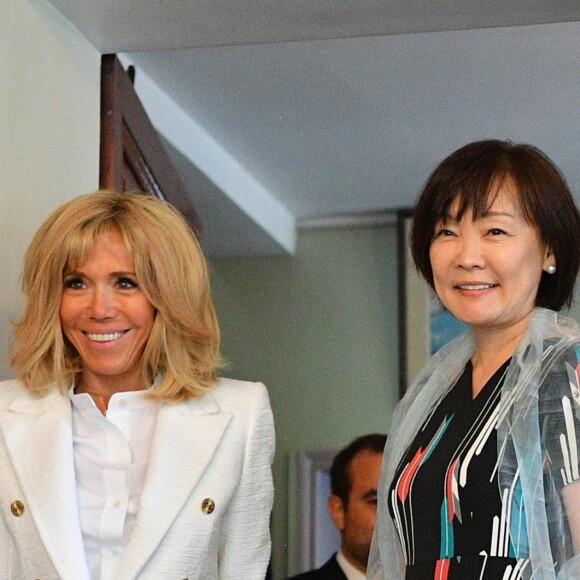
106 316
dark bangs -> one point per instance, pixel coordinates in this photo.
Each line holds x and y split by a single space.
473 175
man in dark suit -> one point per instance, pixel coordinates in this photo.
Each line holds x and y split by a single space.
354 478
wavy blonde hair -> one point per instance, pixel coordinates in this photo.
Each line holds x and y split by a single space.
172 272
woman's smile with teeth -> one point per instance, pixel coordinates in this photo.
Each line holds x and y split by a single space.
105 337
475 286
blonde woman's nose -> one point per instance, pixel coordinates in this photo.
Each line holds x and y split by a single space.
102 303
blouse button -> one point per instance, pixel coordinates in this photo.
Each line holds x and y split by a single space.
207 505
17 508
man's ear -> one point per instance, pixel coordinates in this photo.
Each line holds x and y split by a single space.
336 510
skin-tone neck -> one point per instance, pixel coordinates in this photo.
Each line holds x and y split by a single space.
493 348
101 395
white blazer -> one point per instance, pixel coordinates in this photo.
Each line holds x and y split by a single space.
213 451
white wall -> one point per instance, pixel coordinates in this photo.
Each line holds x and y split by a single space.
320 329
49 137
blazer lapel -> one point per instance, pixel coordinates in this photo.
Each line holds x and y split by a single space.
186 438
38 437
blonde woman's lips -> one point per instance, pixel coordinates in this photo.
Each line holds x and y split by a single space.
104 337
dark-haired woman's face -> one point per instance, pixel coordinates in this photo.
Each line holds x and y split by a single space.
106 316
487 271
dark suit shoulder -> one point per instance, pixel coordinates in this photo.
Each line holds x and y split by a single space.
330 571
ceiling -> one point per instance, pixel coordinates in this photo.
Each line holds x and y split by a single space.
292 113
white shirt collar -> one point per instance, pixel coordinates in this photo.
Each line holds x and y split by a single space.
111 455
349 570
84 401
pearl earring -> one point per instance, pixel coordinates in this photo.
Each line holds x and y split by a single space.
551 269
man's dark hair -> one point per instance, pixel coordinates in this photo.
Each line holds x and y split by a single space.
340 481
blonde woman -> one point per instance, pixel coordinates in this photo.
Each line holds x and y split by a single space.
122 453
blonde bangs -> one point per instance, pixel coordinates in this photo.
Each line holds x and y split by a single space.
170 268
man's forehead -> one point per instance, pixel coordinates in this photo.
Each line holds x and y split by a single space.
364 471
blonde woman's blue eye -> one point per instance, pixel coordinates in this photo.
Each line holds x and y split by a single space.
73 283
127 283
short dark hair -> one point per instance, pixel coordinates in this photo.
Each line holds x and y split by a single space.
340 480
473 174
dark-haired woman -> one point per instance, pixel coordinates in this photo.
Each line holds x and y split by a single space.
481 474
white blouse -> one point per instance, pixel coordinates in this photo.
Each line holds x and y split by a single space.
111 455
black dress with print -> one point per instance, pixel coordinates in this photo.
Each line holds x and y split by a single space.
445 498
